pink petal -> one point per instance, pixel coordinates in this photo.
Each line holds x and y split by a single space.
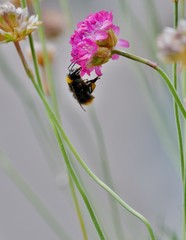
116 29
98 71
101 36
106 25
115 56
123 43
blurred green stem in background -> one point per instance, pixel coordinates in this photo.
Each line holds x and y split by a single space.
107 176
182 8
66 11
47 65
137 25
12 173
153 16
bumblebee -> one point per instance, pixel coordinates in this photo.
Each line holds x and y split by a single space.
81 89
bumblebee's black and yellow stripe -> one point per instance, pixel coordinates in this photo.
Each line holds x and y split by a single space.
81 89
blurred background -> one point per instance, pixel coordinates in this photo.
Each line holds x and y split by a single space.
132 107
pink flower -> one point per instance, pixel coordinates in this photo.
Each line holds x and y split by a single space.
93 41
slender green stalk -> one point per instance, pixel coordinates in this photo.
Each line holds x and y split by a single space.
59 128
35 62
182 8
78 209
107 176
78 185
31 196
178 124
182 14
24 5
179 131
52 116
160 71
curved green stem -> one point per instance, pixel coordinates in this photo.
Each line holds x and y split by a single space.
59 128
86 168
78 185
78 209
160 71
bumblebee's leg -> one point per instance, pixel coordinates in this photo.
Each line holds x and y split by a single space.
93 80
91 84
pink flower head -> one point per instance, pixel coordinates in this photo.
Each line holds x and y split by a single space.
93 41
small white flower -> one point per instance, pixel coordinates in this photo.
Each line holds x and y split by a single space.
172 44
15 24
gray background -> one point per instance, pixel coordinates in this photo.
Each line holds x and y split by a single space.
142 165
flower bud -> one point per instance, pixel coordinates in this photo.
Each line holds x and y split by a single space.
15 23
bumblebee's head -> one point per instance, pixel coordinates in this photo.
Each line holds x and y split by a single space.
73 74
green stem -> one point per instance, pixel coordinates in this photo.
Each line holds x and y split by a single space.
78 209
178 125
182 13
24 5
52 116
9 169
179 131
34 57
182 8
56 124
160 71
78 185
